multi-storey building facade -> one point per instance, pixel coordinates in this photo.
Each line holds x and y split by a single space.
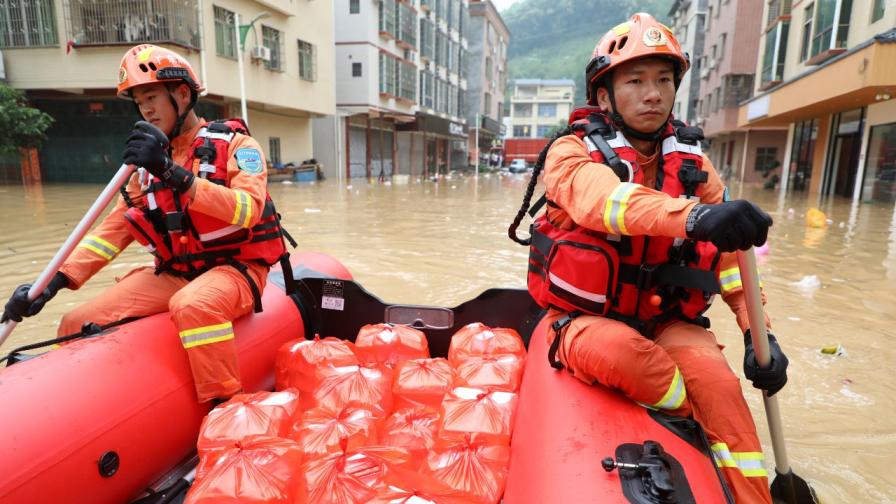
538 106
65 55
400 88
488 40
686 21
827 74
726 71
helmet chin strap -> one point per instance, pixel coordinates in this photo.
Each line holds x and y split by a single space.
627 130
180 118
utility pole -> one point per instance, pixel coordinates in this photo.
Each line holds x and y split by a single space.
477 145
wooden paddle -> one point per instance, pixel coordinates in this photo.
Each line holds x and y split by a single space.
787 487
93 213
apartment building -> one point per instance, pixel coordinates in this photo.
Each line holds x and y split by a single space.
686 19
65 55
400 72
827 74
726 69
540 105
487 81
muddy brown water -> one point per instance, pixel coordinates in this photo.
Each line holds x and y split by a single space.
441 243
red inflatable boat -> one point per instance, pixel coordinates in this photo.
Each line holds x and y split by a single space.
112 418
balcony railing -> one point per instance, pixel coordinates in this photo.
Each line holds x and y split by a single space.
125 22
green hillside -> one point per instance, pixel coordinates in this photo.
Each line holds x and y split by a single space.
553 39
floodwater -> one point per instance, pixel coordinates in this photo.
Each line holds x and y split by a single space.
443 242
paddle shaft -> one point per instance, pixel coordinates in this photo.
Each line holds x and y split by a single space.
746 261
76 235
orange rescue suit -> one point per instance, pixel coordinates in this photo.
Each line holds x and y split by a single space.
681 369
203 308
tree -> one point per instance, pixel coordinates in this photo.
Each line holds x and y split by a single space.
23 126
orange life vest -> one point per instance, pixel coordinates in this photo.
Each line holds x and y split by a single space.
641 280
189 243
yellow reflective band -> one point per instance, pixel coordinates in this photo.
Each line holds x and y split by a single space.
242 212
614 210
100 247
675 395
206 335
750 464
621 29
729 279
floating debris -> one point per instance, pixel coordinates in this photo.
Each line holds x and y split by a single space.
835 350
808 284
312 210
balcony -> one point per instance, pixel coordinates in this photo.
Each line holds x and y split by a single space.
129 22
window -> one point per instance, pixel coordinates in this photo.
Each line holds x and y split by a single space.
877 10
543 130
307 61
407 24
775 51
522 131
830 33
486 104
708 18
356 70
809 12
27 24
407 81
273 40
388 70
766 159
722 45
388 11
803 149
427 39
488 68
547 110
274 151
426 89
225 33
880 171
354 6
522 109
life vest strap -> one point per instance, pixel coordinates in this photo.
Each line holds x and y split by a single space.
558 326
645 277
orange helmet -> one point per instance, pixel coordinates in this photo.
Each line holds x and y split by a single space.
642 36
146 64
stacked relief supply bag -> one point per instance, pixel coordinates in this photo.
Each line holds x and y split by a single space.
298 361
390 344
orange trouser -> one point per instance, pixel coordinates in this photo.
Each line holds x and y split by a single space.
202 311
683 372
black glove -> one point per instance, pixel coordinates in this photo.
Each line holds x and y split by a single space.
145 150
772 378
19 306
732 225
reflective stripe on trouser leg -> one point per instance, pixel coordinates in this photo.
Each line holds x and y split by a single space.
750 464
206 335
675 395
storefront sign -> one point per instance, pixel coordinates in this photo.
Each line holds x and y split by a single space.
758 108
455 129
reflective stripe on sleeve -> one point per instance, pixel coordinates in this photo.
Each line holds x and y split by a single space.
675 395
206 335
750 464
614 211
242 213
100 247
729 279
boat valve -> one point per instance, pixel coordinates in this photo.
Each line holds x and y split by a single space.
609 464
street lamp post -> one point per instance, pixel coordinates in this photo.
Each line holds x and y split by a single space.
239 37
477 145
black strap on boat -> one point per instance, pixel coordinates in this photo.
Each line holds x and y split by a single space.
289 279
558 326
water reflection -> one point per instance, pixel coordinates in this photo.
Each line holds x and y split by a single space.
444 242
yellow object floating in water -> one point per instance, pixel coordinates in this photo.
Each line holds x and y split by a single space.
815 218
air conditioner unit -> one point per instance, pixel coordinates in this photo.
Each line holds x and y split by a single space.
704 73
713 64
261 53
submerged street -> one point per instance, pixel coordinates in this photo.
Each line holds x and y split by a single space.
441 243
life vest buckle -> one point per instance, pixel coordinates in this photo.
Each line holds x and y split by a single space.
174 222
645 276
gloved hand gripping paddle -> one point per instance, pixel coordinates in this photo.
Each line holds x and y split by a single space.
158 134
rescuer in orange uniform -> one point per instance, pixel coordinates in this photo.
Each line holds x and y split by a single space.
655 237
201 207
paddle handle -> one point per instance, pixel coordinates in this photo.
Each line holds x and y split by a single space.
749 275
93 213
